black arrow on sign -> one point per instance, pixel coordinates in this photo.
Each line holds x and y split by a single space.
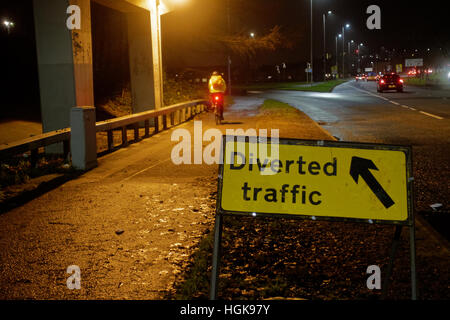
360 167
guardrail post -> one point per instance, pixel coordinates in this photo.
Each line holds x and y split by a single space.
124 136
66 150
164 122
110 140
83 141
156 124
147 128
136 132
183 115
34 158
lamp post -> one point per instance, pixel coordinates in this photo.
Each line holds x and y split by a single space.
229 55
324 46
343 48
359 64
311 53
349 60
250 73
338 36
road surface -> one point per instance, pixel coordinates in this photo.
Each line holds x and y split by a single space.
419 117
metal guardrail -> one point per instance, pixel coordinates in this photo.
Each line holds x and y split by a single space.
33 144
177 113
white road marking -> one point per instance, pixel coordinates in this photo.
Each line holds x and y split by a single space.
396 103
431 115
254 92
148 168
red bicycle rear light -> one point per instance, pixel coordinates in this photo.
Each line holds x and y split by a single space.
217 97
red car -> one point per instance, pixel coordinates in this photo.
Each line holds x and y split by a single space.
390 81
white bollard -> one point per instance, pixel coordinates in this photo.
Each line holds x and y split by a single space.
83 141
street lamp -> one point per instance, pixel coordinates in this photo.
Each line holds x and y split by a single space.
343 48
252 35
325 46
8 25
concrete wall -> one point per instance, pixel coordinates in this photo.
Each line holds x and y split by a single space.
55 63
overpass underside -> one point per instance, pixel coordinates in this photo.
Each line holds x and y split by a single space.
65 57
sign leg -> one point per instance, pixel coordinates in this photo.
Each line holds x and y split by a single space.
216 257
387 277
412 243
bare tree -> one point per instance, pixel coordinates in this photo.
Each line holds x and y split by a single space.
247 47
244 45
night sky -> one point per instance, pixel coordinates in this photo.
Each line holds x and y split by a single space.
404 25
18 57
189 34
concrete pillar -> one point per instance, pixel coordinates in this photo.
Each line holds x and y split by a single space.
155 19
82 56
83 142
158 66
64 62
144 94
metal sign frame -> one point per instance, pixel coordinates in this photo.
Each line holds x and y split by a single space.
415 62
409 222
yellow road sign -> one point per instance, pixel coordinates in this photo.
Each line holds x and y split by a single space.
317 179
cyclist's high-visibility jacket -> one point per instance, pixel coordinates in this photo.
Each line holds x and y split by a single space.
217 84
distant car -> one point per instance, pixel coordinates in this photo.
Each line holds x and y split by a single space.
390 81
412 73
360 77
372 76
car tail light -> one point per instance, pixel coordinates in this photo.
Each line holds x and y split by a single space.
400 80
381 81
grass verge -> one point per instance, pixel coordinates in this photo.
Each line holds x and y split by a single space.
268 85
276 109
327 86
